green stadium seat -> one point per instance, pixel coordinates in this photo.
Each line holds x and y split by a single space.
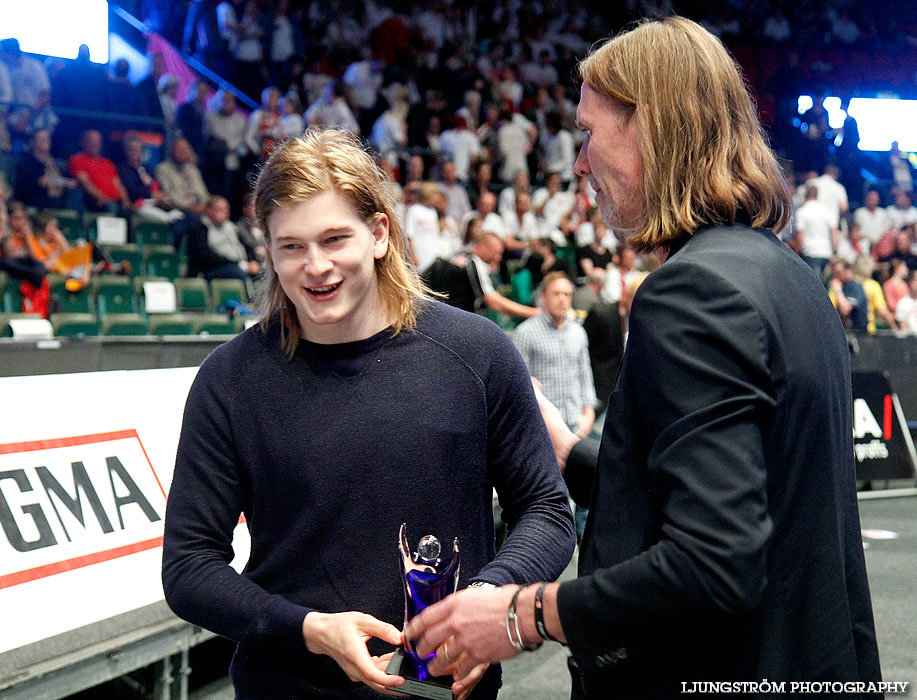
223 290
171 324
214 324
129 253
5 318
160 261
74 324
10 296
69 302
192 294
124 324
113 294
147 232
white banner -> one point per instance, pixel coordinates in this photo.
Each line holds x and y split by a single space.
85 466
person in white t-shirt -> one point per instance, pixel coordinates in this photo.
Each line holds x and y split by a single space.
906 310
421 227
520 225
816 231
552 204
902 212
831 193
462 146
872 219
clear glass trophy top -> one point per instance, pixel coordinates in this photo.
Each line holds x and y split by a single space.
427 579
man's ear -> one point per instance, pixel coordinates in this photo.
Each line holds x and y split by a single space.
380 236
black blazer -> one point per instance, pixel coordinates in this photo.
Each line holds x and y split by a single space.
723 540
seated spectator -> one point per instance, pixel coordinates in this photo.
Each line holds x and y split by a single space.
902 212
331 110
895 287
552 206
291 121
146 196
103 190
848 296
519 224
456 195
168 103
264 130
20 258
39 182
461 146
876 307
421 227
491 221
594 255
872 219
227 153
76 262
544 260
903 246
181 180
467 280
250 233
215 249
507 200
906 312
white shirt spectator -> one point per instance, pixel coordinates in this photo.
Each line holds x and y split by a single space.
873 224
493 223
559 154
902 217
335 112
458 204
555 208
514 144
832 194
906 314
282 44
421 226
816 221
292 125
461 145
227 20
363 80
524 230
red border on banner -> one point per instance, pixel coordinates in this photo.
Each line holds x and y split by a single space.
60 567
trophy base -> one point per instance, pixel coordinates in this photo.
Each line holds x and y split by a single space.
432 687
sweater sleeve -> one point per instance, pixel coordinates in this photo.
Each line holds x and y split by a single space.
523 469
209 492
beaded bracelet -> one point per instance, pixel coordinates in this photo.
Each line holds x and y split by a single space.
512 622
539 614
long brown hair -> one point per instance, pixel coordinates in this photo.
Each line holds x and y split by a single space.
705 157
332 160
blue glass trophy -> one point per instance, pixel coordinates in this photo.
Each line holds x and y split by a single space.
427 578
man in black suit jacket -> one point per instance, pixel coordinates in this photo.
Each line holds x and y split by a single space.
723 543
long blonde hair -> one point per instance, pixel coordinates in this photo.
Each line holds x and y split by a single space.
705 157
332 160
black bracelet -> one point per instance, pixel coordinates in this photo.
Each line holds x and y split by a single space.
539 614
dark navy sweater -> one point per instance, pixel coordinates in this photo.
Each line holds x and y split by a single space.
326 454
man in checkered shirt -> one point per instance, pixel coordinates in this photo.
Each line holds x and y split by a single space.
556 351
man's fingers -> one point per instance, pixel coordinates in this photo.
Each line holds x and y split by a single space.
426 630
383 630
463 686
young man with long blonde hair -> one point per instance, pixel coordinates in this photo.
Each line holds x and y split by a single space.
358 404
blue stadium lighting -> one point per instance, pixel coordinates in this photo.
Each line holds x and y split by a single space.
880 120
